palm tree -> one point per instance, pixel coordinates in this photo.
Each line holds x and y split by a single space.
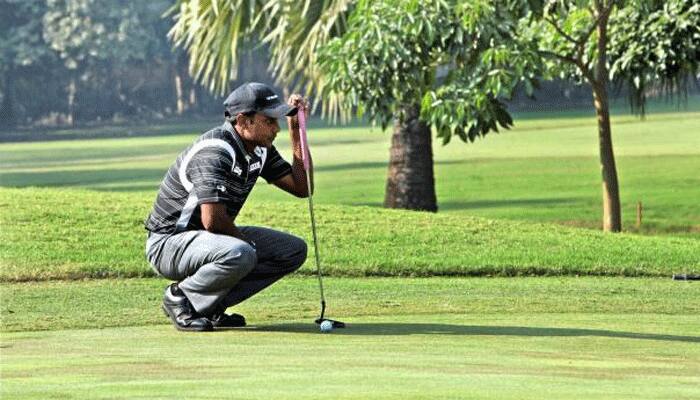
214 32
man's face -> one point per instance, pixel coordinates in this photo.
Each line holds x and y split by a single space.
261 130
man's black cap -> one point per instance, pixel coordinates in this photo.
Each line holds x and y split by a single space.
258 97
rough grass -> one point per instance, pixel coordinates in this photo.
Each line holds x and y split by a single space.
74 234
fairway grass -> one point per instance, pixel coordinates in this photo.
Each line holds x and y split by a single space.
546 169
525 338
572 325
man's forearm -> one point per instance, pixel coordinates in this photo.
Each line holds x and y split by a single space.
225 227
216 220
298 172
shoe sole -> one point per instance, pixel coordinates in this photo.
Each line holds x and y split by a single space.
184 329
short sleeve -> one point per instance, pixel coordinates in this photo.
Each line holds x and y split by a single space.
207 170
275 166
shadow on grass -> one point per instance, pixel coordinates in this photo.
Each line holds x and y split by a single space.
398 329
465 205
477 204
120 178
375 164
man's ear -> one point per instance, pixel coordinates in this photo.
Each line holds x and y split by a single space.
243 121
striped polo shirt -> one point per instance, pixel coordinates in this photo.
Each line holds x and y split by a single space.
216 168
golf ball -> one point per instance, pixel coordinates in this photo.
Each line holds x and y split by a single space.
326 326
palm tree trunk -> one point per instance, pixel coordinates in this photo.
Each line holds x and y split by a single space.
612 218
179 95
411 182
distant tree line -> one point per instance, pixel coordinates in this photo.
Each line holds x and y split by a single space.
64 62
68 61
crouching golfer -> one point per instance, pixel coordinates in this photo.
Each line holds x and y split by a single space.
192 236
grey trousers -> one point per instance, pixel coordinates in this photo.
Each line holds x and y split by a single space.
218 271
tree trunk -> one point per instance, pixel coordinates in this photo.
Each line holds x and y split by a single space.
179 93
192 104
612 218
7 108
72 90
410 182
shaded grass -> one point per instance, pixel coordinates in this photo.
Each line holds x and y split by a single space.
57 305
73 234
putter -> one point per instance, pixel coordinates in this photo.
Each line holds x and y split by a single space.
305 158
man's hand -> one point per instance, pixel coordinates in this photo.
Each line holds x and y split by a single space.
295 183
297 100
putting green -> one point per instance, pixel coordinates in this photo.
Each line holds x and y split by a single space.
540 355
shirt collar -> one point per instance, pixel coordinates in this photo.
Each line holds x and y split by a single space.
228 127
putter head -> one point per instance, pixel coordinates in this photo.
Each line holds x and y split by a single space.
336 324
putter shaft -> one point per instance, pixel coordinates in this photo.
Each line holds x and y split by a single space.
313 232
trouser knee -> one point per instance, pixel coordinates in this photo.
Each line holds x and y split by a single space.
298 254
240 260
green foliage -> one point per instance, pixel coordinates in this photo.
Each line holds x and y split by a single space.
441 55
82 32
655 45
21 32
213 33
114 55
564 38
389 55
456 59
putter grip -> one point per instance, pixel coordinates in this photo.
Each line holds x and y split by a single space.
301 115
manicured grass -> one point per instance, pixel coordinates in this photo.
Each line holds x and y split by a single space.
73 234
71 210
59 305
527 338
544 170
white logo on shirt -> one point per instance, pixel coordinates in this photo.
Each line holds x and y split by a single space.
237 170
271 97
221 188
254 166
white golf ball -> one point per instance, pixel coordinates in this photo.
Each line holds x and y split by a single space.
326 326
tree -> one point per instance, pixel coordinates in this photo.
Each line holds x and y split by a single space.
215 33
642 43
212 33
91 36
424 64
393 52
21 48
446 64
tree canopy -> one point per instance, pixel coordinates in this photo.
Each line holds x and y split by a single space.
451 58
